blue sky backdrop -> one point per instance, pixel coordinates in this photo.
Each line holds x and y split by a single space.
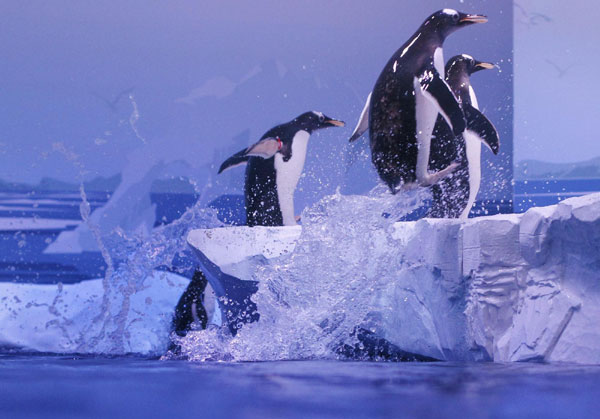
96 88
556 92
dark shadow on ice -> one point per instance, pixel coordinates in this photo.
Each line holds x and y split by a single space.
233 294
371 347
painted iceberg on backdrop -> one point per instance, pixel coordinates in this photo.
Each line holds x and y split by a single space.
515 287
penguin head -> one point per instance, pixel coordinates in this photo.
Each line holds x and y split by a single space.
445 21
312 121
465 65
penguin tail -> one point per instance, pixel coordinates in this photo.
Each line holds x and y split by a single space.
237 159
355 136
363 122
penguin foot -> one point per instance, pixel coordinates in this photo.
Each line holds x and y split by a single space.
433 178
406 187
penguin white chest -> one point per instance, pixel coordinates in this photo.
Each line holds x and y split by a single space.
473 150
287 175
425 116
426 111
438 61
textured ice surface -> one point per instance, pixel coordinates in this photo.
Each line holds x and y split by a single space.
504 288
61 318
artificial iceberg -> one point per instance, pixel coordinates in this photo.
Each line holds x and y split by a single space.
72 318
513 287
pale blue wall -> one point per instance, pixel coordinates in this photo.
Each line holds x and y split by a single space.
264 62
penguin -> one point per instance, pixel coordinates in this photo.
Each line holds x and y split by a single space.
454 196
274 166
190 311
401 111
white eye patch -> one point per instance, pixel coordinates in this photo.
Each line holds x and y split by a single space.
450 12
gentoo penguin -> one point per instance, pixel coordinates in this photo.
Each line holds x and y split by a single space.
404 104
275 164
454 196
190 308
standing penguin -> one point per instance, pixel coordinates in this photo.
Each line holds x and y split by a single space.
454 196
405 102
275 164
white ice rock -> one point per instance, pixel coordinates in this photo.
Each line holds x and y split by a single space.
64 318
513 287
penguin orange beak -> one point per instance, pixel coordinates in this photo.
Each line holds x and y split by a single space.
336 123
484 66
473 19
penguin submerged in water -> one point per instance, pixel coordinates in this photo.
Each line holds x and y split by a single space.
275 164
454 196
402 109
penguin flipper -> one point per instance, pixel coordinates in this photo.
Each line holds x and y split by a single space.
363 121
235 160
441 95
265 148
482 127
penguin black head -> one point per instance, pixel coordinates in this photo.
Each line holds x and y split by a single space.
445 21
312 121
464 64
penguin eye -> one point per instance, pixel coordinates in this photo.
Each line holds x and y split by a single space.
455 17
321 118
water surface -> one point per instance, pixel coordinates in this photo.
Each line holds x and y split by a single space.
68 386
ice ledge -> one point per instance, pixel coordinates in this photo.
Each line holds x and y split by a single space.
511 287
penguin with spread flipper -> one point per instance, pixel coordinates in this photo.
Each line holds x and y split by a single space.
402 109
275 164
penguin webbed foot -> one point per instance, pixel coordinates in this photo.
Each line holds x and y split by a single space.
433 178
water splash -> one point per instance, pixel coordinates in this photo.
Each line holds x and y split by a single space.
134 118
131 258
311 300
85 211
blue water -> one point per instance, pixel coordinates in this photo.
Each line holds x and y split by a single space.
72 387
